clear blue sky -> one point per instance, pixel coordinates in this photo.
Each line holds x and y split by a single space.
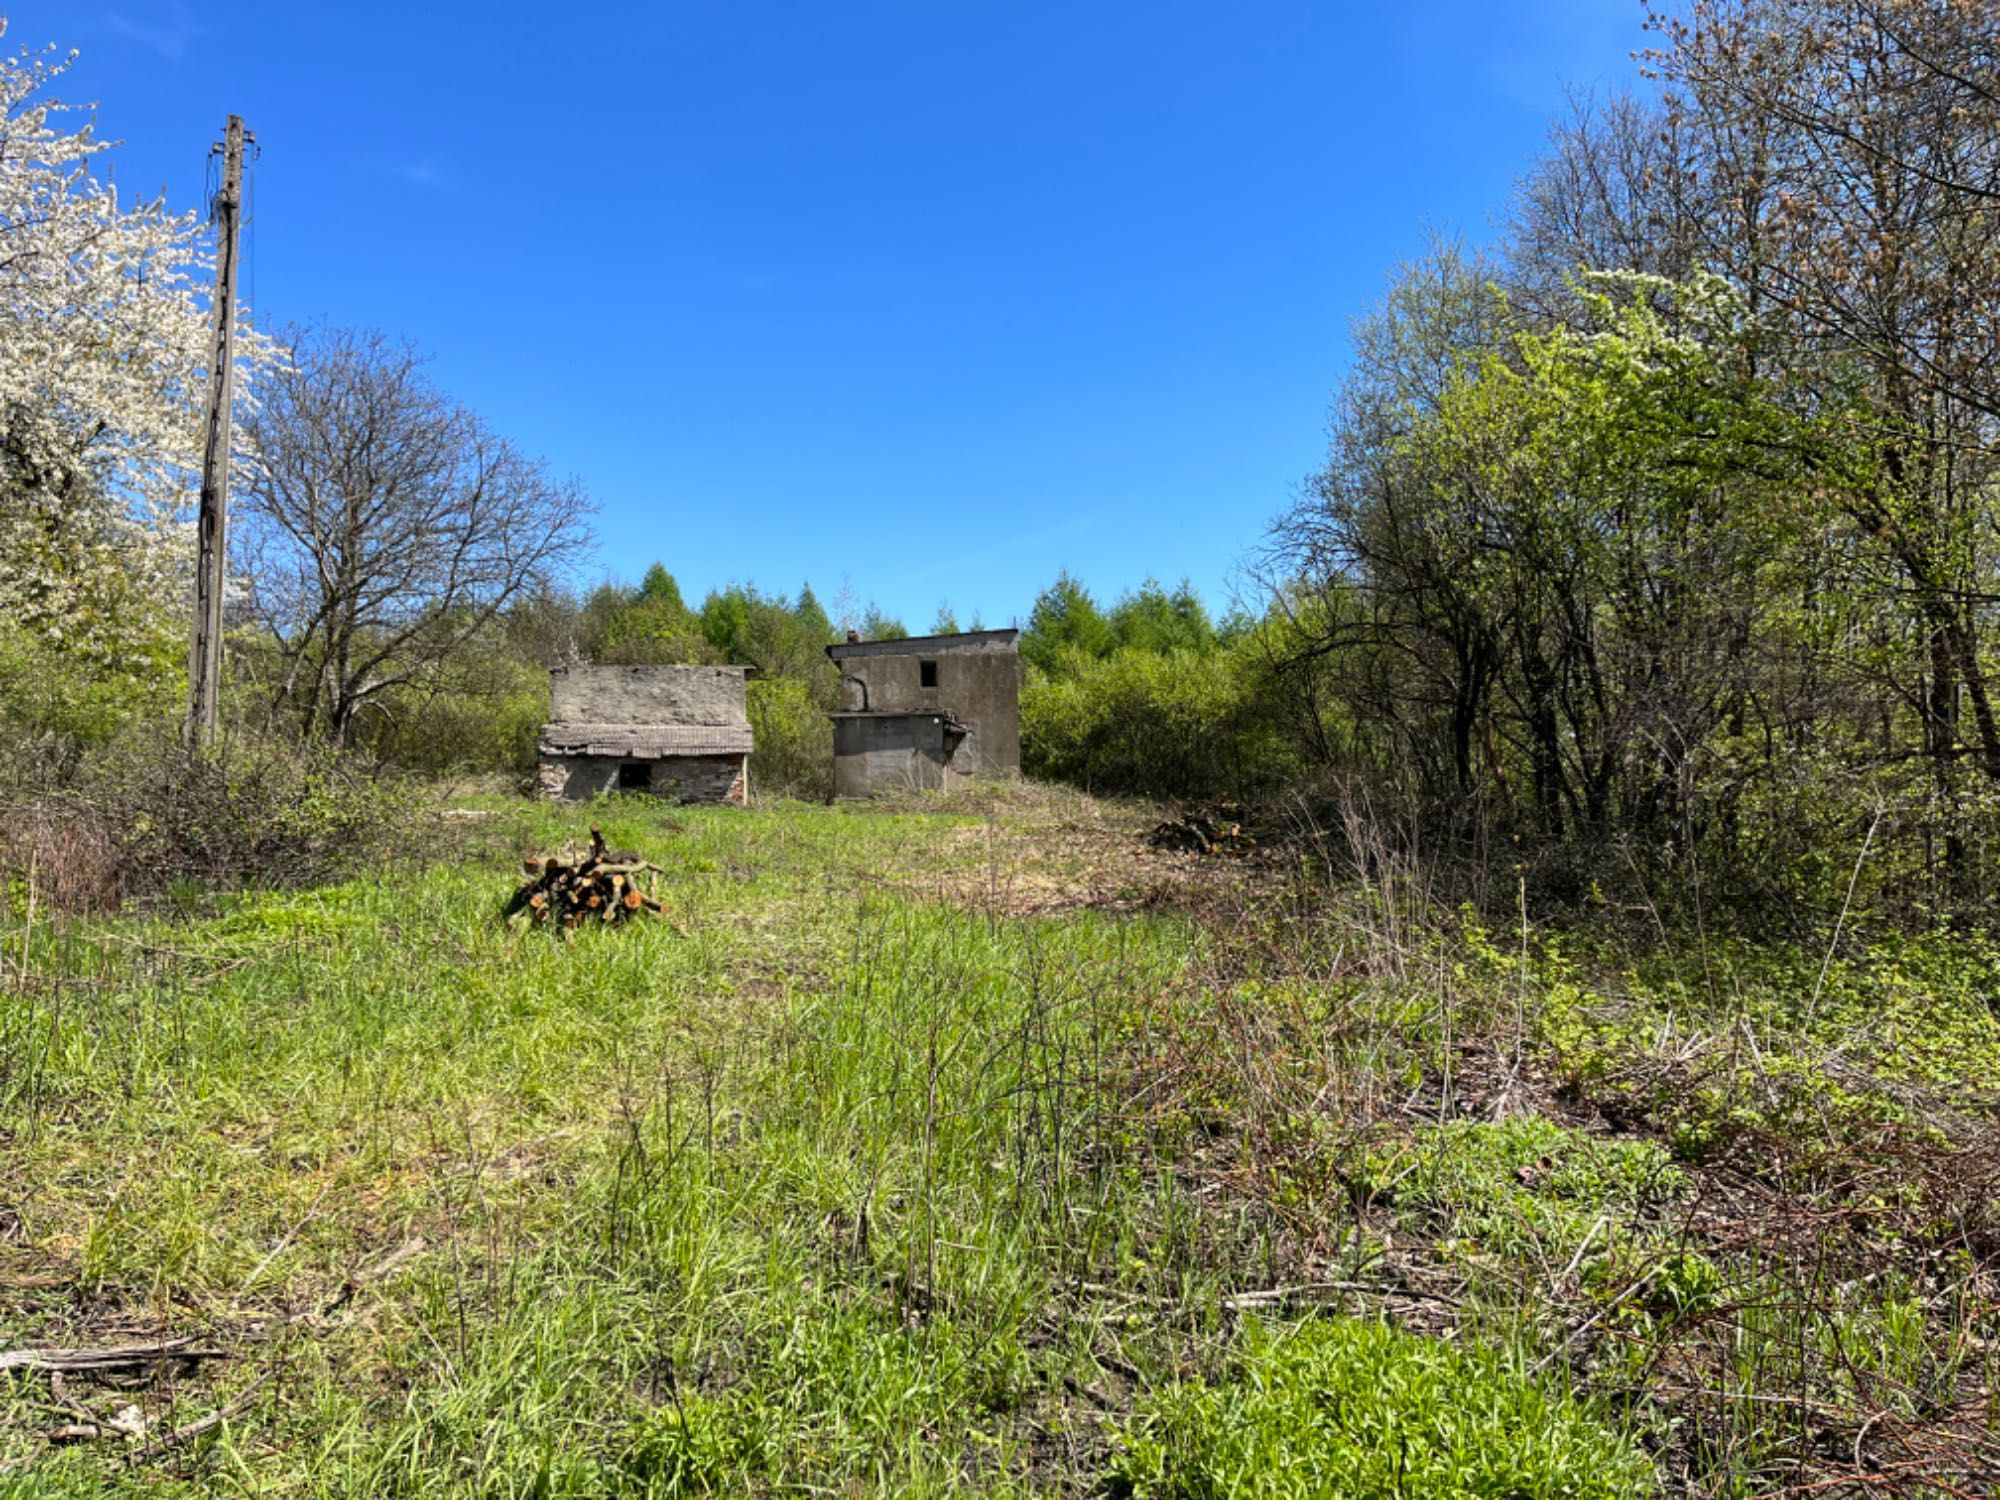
931 297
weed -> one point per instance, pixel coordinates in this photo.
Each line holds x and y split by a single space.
1342 1406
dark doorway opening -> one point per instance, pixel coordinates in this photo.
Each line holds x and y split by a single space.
634 776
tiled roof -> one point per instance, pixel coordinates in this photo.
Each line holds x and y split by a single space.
646 741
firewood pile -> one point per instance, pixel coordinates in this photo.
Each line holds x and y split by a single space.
1217 830
601 886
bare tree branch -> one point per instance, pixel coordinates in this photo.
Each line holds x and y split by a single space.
388 525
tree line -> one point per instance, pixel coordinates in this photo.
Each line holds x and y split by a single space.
1659 538
1668 524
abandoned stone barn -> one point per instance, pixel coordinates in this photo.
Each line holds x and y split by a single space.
927 712
677 732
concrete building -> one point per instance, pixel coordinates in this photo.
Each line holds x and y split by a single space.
927 712
678 732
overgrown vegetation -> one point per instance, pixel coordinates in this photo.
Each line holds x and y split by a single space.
916 1153
148 822
1666 532
1582 1083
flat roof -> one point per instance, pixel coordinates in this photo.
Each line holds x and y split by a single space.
891 713
918 645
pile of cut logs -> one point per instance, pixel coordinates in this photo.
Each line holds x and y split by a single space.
602 886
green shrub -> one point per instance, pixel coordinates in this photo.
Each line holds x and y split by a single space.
1174 724
486 722
63 702
794 756
1525 1185
256 812
1350 1407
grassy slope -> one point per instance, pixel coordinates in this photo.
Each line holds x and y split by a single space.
913 1153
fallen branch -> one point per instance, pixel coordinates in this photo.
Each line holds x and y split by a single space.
1279 1295
117 1357
1592 1321
34 1281
194 1429
376 1270
1093 1394
285 1243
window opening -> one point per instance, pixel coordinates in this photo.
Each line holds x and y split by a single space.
634 776
927 674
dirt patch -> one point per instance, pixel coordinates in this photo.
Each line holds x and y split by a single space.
1045 853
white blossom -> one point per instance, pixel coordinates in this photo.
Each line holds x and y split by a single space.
104 338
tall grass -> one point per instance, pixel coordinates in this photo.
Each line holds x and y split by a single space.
806 1185
845 1178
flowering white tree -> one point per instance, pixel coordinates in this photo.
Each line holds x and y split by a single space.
103 340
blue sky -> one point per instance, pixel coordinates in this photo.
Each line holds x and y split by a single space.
928 298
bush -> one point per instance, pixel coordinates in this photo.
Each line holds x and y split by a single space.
794 756
58 703
459 733
64 853
1175 724
249 813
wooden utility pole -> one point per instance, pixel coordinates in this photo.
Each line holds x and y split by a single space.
211 527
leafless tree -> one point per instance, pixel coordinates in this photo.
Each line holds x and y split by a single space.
1613 191
386 526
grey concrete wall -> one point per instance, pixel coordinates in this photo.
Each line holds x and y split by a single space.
685 778
981 685
647 695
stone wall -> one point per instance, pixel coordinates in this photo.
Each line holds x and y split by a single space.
685 778
647 695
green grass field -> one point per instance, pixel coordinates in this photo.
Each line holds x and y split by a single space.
981 1150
